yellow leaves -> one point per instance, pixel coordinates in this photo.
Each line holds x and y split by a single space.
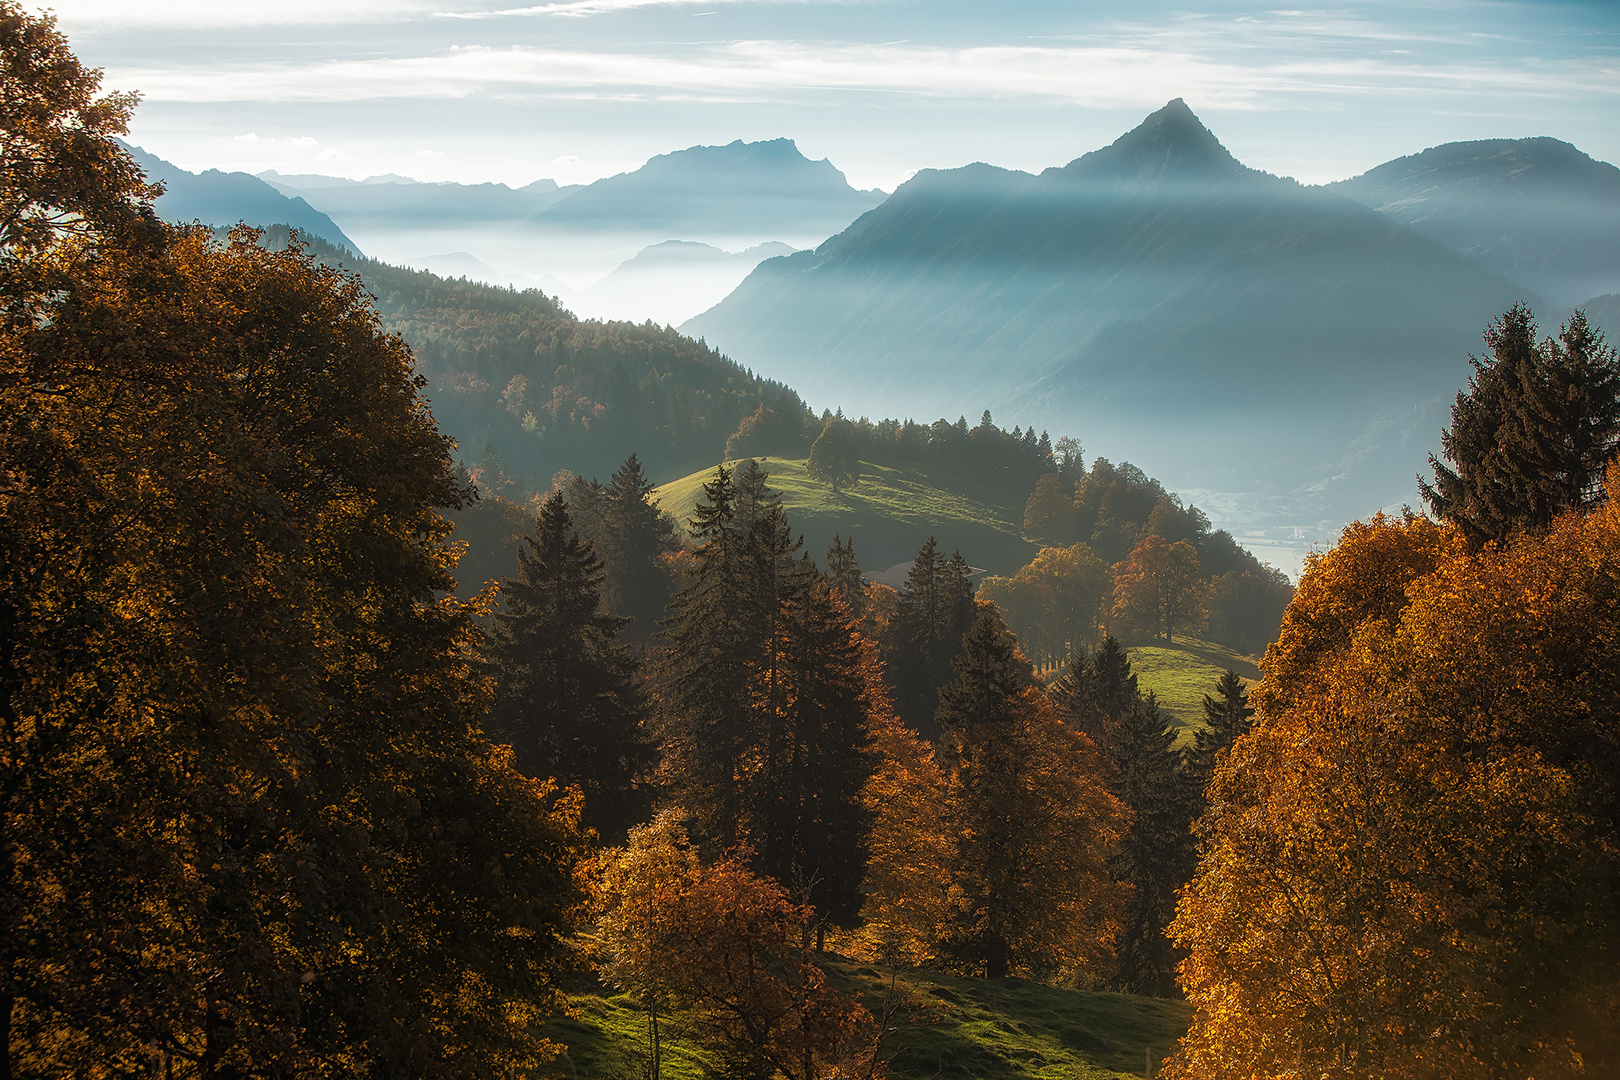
1407 848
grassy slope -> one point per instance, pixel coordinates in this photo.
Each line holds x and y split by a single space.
1183 672
952 1028
890 513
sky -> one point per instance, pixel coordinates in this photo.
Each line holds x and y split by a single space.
573 90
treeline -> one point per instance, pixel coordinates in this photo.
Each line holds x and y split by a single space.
985 451
1126 557
529 389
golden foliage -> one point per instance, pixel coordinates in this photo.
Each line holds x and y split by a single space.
1409 863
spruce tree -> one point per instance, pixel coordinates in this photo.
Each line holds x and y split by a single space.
844 571
1530 438
815 827
925 635
1099 695
1227 717
635 538
567 693
1031 822
708 670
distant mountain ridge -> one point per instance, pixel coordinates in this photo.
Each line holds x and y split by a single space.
1155 295
1538 212
737 188
221 198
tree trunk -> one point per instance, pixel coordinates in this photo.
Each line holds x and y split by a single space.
995 957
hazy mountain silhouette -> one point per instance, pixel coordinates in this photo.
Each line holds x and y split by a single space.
741 188
1218 325
671 281
221 198
1536 211
383 202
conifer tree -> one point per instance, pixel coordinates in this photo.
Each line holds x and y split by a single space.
844 570
568 696
814 838
1099 696
1033 825
635 537
1530 438
706 676
931 616
1227 718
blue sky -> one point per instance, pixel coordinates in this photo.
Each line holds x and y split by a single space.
502 90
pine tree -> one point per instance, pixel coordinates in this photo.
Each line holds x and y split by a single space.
1227 717
1100 697
568 697
1032 823
1530 438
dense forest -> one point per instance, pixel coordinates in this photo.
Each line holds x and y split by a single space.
277 803
528 389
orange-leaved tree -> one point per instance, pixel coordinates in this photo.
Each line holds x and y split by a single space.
251 824
727 948
1158 589
1409 862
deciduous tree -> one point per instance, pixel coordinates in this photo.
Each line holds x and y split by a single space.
1158 589
1409 861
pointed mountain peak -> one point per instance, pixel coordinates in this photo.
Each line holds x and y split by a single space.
1170 145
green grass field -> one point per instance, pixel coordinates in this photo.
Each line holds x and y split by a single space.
1181 673
947 1027
890 513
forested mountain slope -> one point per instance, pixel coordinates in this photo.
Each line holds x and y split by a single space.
526 388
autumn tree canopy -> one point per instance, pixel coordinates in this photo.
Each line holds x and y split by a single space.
252 826
1409 861
1159 589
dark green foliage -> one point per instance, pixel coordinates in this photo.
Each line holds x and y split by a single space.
1531 437
1099 696
834 459
765 699
925 634
990 673
819 758
634 540
707 671
778 430
844 571
1227 717
552 391
1246 606
568 697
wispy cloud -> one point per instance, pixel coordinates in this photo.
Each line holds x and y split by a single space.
1109 75
79 16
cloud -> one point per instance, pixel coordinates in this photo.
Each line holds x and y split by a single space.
299 142
1129 74
79 16
581 8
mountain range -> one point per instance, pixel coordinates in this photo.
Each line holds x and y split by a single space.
1284 354
1286 351
220 198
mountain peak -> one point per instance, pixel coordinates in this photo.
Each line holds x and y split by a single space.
1171 144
